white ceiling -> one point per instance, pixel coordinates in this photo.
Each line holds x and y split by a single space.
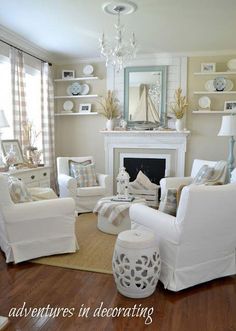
70 29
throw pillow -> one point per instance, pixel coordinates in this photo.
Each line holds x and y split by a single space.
204 174
73 163
169 205
144 181
85 175
18 190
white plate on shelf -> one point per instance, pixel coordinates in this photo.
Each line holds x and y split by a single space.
204 102
68 105
232 64
229 85
88 70
209 85
75 88
84 89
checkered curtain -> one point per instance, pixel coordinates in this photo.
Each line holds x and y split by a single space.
47 113
18 94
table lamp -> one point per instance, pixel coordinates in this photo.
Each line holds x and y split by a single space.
228 129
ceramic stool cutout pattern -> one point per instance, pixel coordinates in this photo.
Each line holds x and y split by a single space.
136 263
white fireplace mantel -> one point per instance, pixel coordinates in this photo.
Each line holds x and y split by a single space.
168 139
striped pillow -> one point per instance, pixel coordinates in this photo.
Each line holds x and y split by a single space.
84 174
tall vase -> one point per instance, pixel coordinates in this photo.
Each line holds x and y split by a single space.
110 124
179 124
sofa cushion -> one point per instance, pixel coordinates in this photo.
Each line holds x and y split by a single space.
84 174
90 191
18 191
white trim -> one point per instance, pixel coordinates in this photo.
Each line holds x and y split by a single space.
167 158
18 41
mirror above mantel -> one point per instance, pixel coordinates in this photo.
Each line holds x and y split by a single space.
145 96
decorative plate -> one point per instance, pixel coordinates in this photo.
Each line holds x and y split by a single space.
84 89
68 105
232 64
229 85
219 83
88 70
68 90
204 102
209 86
75 88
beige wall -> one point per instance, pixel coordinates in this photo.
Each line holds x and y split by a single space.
79 135
204 142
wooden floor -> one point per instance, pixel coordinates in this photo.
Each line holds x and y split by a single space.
207 307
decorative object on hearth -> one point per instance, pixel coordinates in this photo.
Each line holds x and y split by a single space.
123 124
136 263
110 109
228 129
121 51
122 183
179 108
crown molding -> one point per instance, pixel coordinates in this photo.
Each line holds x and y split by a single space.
20 42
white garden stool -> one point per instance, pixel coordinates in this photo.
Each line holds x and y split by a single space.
136 263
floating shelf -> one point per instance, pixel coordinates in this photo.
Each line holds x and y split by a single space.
215 73
215 92
77 96
75 79
76 114
213 112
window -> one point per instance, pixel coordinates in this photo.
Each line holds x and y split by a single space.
5 95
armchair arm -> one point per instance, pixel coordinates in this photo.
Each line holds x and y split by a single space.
67 185
164 225
39 209
105 181
173 182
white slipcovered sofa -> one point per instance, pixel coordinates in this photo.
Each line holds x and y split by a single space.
199 244
33 229
85 197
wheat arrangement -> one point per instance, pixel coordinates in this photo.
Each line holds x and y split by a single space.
110 106
179 106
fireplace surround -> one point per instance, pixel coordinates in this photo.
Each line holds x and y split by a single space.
146 143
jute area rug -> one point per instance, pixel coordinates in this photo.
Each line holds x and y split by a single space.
95 248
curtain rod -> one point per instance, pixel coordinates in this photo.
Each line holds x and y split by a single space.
21 50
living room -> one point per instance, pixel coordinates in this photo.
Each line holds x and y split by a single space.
100 145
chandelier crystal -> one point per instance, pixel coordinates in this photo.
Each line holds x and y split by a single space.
119 52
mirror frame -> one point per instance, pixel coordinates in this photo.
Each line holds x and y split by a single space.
163 109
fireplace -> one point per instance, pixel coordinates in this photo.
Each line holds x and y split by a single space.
168 145
154 166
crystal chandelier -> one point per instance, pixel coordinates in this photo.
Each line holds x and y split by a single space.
119 52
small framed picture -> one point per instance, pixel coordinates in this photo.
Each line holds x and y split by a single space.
13 145
230 105
85 108
208 67
68 74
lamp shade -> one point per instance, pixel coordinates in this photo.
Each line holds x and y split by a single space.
228 126
3 121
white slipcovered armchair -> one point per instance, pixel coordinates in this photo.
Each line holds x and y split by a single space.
176 182
33 229
199 243
85 197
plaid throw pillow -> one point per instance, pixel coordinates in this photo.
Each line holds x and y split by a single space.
84 174
74 163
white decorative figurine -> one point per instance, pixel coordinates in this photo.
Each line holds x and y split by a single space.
122 183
